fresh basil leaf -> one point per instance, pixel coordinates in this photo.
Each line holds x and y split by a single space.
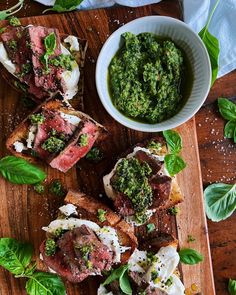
227 109
116 274
235 135
45 284
173 140
212 46
232 287
12 10
229 129
220 201
125 284
50 43
63 6
15 256
19 171
150 227
121 275
174 164
190 256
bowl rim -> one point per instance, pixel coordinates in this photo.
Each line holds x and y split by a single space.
131 123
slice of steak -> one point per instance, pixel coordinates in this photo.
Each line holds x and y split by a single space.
153 291
50 81
73 152
26 73
79 254
114 287
155 164
123 205
154 244
53 121
161 185
10 38
137 279
15 40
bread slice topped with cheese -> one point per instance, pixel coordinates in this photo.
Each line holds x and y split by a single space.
86 239
57 134
150 271
41 62
139 184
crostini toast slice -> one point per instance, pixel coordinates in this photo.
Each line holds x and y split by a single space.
20 134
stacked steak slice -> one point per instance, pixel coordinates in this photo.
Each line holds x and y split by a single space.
79 254
26 48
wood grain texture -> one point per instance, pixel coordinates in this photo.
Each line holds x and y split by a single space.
222 235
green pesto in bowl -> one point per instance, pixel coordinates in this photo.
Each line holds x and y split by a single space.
149 78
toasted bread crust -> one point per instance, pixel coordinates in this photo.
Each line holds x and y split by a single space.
77 100
87 207
21 132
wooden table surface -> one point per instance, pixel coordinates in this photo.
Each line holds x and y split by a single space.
217 154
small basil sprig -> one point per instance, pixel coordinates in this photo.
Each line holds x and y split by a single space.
19 171
220 201
16 258
12 10
190 256
228 112
63 6
173 162
232 287
50 44
120 274
212 46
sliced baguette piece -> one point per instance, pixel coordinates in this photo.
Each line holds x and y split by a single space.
20 134
88 207
79 56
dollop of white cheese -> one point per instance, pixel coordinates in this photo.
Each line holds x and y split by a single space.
103 291
19 146
132 220
164 267
73 41
108 236
5 60
68 209
74 120
137 261
167 261
69 224
31 136
71 78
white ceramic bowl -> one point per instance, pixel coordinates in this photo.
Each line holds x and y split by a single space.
187 40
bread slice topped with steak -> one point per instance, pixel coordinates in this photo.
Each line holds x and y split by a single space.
57 134
42 62
151 271
140 185
86 239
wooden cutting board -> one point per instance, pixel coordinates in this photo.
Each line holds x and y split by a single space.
23 212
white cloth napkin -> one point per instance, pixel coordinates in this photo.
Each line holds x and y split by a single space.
87 4
222 26
196 12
